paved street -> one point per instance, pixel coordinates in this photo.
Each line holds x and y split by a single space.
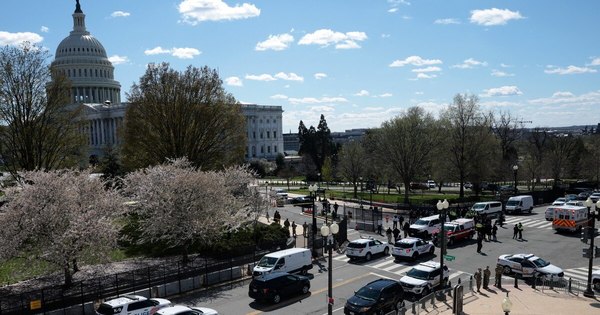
563 250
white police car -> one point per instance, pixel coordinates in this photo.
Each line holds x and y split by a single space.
366 248
185 310
423 278
412 247
132 305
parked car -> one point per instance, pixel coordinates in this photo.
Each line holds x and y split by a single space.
132 305
487 208
559 201
412 248
595 196
424 227
529 265
468 185
571 197
431 184
519 204
301 199
366 248
507 188
419 186
423 278
377 297
185 310
274 286
584 195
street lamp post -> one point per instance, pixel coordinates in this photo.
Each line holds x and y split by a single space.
267 197
442 206
515 169
591 230
329 232
506 305
313 189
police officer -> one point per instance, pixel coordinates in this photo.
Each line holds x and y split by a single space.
498 276
486 277
477 277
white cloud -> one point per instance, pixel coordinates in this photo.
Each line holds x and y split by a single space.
498 73
502 91
385 95
569 70
595 62
395 3
185 52
503 65
120 14
195 11
320 75
322 109
470 63
313 100
499 104
289 76
362 93
426 76
181 53
373 108
427 69
562 94
261 77
279 97
415 61
447 21
234 81
385 35
419 93
44 29
156 51
494 16
117 60
275 42
326 37
392 10
15 39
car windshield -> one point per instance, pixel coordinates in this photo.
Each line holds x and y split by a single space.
418 274
105 309
512 203
540 263
421 222
479 206
267 262
367 293
357 245
449 227
404 245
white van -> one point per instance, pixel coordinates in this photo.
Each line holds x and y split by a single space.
424 227
519 204
488 208
288 260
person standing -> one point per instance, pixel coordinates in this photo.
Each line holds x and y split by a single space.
498 276
494 232
286 224
479 242
379 226
520 228
486 277
396 233
304 229
400 220
294 228
406 228
477 277
515 232
388 233
395 221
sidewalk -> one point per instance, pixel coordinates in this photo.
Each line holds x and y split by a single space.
526 301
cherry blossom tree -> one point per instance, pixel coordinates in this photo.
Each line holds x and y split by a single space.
178 205
62 217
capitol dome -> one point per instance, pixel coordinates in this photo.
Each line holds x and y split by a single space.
82 58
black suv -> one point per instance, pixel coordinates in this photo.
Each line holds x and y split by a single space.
377 297
272 287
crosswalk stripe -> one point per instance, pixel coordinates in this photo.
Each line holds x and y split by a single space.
577 272
403 270
537 224
395 266
377 266
455 274
343 258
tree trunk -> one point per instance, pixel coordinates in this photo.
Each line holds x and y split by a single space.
68 276
75 267
406 190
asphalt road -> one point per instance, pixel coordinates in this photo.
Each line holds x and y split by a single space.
563 250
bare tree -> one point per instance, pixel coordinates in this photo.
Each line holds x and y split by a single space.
508 130
466 131
41 132
406 142
352 163
183 114
591 162
61 217
537 145
179 205
563 153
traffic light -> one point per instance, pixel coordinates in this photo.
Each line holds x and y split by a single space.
586 253
584 235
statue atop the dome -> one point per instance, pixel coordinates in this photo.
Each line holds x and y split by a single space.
78 7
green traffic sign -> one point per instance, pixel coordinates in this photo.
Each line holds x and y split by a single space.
449 258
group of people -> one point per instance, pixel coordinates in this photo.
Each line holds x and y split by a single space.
518 231
395 232
485 276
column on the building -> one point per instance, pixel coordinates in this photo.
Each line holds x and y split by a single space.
102 138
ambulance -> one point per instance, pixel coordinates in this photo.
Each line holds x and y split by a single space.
569 218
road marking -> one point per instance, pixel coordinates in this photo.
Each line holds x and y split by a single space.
386 262
539 224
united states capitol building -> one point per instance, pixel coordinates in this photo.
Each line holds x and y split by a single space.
82 58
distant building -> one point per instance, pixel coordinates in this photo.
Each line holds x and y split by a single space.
348 135
291 143
83 59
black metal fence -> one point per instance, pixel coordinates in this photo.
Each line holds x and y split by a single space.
59 297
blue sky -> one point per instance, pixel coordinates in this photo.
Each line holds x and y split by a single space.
358 62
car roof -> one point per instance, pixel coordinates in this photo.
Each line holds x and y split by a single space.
173 310
408 240
125 299
380 283
428 266
362 240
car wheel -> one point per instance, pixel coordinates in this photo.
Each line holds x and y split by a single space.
305 288
425 292
386 251
276 298
415 256
368 256
399 305
431 250
597 285
506 270
304 271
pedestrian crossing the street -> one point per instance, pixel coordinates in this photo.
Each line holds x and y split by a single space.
529 223
579 274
